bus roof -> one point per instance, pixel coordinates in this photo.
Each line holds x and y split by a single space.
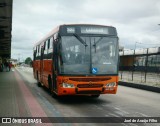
55 30
48 35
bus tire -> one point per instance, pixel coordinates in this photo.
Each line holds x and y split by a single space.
95 96
38 83
50 84
54 95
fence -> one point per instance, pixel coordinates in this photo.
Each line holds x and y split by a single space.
140 66
140 77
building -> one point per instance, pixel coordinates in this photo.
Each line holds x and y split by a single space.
140 60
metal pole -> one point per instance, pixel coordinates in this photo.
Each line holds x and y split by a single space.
146 66
133 59
122 65
133 64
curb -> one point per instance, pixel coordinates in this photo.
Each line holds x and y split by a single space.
140 86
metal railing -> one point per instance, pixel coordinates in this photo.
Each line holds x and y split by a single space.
140 77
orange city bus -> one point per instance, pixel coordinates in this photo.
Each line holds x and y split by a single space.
78 59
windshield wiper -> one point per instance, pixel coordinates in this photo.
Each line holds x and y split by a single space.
80 40
95 43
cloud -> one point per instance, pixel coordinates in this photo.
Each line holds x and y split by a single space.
135 20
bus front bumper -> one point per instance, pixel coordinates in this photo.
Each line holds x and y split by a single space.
87 91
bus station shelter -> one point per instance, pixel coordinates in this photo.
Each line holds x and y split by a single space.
5 28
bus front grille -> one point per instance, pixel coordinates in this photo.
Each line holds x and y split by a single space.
90 79
89 92
90 85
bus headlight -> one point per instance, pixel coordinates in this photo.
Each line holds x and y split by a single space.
110 86
66 85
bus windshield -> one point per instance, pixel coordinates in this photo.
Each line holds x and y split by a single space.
80 55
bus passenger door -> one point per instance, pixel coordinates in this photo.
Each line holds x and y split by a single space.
41 65
55 65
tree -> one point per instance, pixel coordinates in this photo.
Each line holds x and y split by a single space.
28 60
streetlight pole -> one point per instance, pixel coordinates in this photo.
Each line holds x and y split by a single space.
135 45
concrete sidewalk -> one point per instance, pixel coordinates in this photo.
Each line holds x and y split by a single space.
12 103
18 100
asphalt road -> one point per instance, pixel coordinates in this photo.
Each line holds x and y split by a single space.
128 102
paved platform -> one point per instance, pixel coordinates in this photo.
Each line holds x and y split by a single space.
12 103
16 99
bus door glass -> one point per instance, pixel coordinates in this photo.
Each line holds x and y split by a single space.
41 62
55 69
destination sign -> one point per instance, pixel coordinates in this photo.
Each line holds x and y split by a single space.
87 29
70 30
94 30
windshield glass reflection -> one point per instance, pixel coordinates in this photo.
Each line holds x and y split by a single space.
78 55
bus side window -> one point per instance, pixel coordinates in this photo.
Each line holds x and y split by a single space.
50 48
48 43
34 53
37 53
41 46
51 43
45 49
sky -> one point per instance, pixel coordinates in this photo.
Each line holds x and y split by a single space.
136 21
